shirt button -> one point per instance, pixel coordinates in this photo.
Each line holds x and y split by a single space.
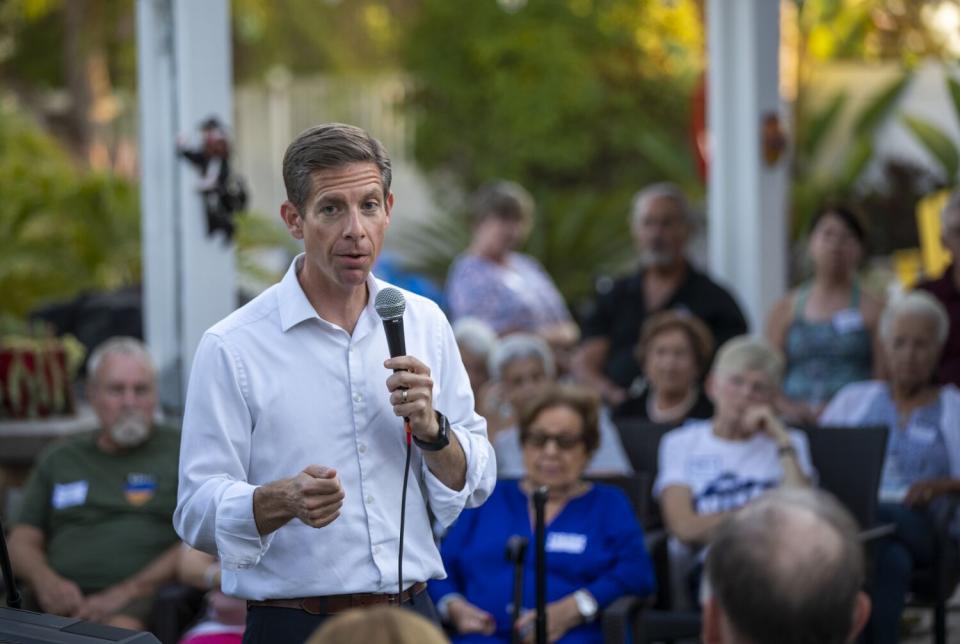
358 397
369 499
376 550
362 448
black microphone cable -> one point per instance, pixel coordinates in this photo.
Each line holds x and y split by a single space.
403 510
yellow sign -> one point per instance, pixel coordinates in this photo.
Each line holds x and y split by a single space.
936 258
931 259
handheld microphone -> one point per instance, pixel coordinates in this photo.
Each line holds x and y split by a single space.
516 548
390 306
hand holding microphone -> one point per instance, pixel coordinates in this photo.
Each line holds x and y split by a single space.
410 386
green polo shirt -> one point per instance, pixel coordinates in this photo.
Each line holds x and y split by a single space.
105 516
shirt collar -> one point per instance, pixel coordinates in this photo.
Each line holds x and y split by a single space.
293 305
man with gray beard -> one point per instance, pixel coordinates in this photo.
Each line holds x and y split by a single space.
661 226
94 538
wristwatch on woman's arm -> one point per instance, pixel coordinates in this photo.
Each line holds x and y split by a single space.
586 604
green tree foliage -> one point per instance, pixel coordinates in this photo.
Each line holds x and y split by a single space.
309 37
581 101
62 230
868 30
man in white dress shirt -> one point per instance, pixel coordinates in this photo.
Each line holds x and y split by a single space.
292 458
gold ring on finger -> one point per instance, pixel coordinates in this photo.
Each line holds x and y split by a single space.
403 396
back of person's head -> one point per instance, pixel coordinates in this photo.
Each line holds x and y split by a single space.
380 625
517 346
501 199
747 353
786 569
326 147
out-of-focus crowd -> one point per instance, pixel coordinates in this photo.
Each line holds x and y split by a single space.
664 345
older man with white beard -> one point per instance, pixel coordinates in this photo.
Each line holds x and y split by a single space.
94 538
661 225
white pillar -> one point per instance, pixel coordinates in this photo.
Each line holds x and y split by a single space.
746 202
184 75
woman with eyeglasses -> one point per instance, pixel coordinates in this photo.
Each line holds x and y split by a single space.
594 543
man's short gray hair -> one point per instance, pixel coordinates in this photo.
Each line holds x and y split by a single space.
915 303
475 335
325 147
643 200
748 353
787 569
517 346
123 345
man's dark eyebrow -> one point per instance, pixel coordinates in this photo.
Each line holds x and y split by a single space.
334 199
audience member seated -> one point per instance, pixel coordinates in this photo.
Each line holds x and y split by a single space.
787 569
661 225
522 366
594 543
508 290
224 617
947 290
94 538
709 468
825 327
922 464
475 339
675 350
380 625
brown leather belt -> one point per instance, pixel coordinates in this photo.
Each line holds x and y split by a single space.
330 604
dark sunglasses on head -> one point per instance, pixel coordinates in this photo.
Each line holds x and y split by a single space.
563 442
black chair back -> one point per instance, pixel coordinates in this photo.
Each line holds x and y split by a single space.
635 486
641 442
849 462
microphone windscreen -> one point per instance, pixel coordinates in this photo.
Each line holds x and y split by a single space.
390 304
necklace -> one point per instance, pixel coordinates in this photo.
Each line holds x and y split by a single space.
673 412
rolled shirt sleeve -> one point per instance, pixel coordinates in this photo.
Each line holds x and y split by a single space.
455 401
214 501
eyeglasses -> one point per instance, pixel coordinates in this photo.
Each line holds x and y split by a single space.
540 441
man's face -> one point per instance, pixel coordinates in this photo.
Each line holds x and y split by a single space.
660 233
735 392
123 387
342 225
951 233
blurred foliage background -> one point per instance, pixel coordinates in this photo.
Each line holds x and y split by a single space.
582 101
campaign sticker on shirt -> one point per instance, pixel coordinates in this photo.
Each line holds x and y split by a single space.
139 488
922 433
68 495
568 542
848 321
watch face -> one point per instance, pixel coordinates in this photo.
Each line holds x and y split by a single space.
586 604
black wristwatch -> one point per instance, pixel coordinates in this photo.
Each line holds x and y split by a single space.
443 436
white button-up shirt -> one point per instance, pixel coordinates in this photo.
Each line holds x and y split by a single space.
275 388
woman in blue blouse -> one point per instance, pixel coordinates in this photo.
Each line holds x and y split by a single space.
594 544
922 464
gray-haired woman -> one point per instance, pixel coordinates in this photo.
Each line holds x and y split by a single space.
922 463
